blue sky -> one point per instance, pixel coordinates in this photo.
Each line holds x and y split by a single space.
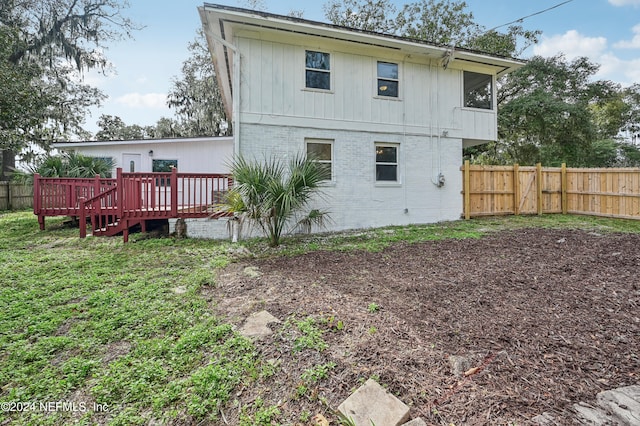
606 31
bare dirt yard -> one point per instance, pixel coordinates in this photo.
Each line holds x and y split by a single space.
537 319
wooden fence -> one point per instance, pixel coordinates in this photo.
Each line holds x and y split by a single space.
15 196
514 190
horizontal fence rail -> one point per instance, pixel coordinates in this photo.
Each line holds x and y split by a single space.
514 190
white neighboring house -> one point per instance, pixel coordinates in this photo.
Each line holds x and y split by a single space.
388 115
195 155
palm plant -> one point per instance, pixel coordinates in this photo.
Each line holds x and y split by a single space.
67 165
273 194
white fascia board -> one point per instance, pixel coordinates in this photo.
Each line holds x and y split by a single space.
207 139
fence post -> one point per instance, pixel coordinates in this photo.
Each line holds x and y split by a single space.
563 188
516 189
539 186
467 190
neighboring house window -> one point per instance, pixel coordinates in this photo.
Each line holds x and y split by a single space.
321 150
387 79
107 160
163 166
478 90
317 70
386 162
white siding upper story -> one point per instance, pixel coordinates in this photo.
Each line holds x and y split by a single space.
430 98
270 53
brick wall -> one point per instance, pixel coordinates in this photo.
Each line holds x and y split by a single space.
354 198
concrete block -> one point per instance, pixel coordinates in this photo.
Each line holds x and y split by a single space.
622 403
256 325
372 404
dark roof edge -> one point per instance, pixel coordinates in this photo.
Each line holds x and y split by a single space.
354 30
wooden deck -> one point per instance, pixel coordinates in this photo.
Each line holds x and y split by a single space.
115 205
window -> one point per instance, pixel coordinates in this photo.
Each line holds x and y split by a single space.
478 90
106 161
317 70
163 166
387 79
386 162
320 150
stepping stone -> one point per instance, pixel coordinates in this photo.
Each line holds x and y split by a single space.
372 404
622 403
415 422
256 325
589 415
544 419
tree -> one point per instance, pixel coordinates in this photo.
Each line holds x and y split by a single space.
112 128
49 44
370 15
196 96
272 194
440 22
552 111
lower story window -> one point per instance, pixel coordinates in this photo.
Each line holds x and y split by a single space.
321 151
163 166
386 162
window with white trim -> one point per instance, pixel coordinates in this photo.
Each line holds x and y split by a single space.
163 166
388 81
386 162
478 90
317 70
321 151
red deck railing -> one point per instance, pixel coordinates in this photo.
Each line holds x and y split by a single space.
114 205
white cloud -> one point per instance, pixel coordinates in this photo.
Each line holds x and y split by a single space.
634 43
146 100
572 44
625 2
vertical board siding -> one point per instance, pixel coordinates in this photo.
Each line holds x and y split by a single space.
273 84
15 196
500 190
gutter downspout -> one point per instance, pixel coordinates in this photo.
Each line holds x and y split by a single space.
235 90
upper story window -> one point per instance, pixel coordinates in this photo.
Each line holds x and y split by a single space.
478 90
388 79
317 70
321 151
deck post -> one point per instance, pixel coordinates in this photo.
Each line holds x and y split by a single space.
96 187
174 192
119 192
37 200
83 219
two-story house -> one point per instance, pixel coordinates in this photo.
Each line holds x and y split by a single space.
389 116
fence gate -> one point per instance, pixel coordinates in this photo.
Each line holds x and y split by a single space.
502 190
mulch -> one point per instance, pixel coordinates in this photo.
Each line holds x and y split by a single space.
537 319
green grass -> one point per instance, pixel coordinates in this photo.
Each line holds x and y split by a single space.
99 322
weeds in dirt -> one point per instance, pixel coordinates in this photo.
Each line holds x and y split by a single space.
305 333
373 308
